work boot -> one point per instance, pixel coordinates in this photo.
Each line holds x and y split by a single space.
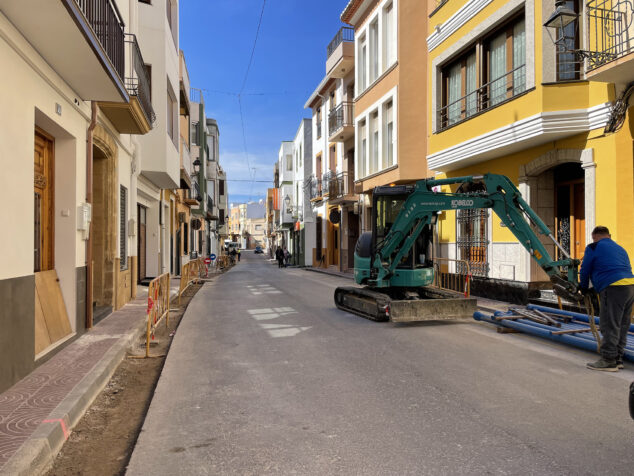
619 363
602 364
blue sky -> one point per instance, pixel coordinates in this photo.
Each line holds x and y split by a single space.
289 62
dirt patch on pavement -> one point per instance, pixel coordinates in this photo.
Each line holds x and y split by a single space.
102 442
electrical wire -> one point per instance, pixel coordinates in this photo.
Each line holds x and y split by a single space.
255 42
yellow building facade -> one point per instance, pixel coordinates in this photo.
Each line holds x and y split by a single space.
504 100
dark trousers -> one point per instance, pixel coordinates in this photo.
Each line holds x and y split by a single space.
280 262
614 319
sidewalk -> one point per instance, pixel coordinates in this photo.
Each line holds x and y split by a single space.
38 412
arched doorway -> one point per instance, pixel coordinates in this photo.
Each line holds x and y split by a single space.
560 187
104 224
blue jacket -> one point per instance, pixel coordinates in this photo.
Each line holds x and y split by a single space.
604 262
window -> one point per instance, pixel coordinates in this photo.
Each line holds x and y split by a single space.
221 216
568 67
300 155
195 134
221 187
374 50
318 119
363 64
503 58
258 227
171 117
472 239
389 36
289 162
123 220
374 142
149 2
363 149
388 134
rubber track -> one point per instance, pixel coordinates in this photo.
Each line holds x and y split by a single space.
380 300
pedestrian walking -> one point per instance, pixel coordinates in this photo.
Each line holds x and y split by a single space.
608 266
238 255
287 256
279 256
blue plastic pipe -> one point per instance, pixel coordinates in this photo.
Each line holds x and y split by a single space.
561 312
545 332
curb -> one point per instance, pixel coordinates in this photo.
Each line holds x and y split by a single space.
37 453
322 271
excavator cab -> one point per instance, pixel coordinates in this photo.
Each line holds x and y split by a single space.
413 270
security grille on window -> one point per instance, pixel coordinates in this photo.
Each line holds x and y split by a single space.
472 241
123 219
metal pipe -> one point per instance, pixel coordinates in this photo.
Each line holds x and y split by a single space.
561 312
536 330
89 162
558 245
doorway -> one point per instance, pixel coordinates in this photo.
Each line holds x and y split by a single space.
142 242
570 217
353 236
44 202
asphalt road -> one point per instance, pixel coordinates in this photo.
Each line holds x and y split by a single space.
266 376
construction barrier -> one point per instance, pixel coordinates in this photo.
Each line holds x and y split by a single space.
191 272
158 306
452 275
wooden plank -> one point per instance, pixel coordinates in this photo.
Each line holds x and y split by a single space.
42 339
54 310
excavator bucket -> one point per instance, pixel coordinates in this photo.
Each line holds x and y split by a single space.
424 304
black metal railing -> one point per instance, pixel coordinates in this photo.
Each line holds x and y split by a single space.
138 83
345 33
341 116
106 21
472 240
196 192
490 94
325 181
340 185
314 188
609 31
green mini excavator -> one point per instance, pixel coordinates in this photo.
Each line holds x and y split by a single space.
394 260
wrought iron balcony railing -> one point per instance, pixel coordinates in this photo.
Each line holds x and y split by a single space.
610 32
138 83
107 23
487 96
314 188
340 185
345 33
341 116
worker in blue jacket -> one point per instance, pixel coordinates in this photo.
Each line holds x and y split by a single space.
607 265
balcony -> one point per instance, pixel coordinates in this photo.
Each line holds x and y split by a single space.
212 212
341 188
491 94
192 196
341 122
610 55
340 51
314 189
82 40
137 115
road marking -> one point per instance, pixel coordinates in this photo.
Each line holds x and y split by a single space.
259 289
277 330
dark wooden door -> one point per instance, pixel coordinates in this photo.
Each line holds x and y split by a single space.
141 243
353 236
43 163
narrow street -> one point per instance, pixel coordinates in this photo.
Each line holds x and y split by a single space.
266 376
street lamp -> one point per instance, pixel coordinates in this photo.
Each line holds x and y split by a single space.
559 34
196 165
287 201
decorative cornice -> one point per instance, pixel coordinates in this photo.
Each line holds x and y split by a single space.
455 21
545 125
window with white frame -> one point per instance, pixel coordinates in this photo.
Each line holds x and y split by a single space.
377 45
374 142
289 162
389 35
374 50
363 149
362 65
388 134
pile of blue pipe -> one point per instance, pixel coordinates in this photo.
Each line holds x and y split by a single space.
583 340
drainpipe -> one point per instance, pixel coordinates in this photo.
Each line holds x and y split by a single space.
89 160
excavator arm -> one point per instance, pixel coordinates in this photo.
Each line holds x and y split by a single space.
492 191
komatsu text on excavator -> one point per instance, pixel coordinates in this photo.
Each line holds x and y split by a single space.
394 260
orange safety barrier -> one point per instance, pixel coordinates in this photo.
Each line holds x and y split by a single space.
158 306
191 272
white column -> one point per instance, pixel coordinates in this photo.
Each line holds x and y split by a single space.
589 167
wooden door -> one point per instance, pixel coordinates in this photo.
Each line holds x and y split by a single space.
44 202
141 244
570 219
353 236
